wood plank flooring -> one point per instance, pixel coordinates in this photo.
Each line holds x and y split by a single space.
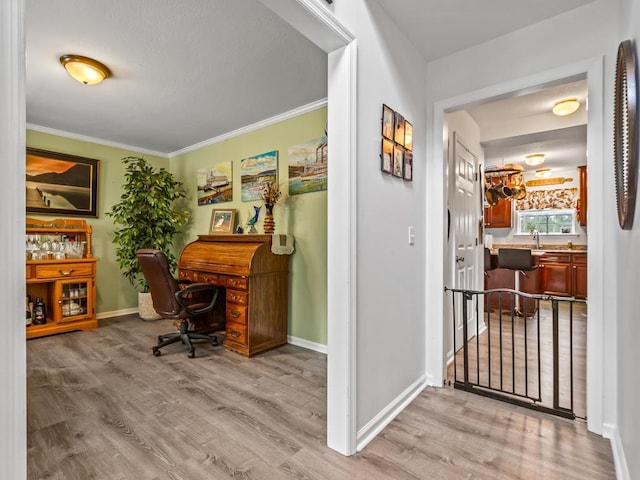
100 406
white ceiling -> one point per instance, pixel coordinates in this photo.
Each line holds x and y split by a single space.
185 71
522 124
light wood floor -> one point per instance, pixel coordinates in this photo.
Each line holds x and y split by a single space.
100 406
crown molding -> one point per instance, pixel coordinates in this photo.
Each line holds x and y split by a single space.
253 127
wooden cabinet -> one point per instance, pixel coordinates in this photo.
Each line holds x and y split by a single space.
254 283
582 198
580 275
498 216
564 274
66 285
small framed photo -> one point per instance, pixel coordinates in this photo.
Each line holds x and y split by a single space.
408 165
222 221
387 156
398 159
399 122
387 122
408 136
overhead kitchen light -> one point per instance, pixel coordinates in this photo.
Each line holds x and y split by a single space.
543 172
565 107
84 69
534 159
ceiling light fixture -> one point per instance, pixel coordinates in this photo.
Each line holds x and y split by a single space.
534 159
565 107
543 172
84 69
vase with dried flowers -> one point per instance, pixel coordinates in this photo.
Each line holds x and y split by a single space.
271 194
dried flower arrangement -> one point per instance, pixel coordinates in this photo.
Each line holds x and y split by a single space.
271 194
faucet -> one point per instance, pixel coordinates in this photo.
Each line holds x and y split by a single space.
536 238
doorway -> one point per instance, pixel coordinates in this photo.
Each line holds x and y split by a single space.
592 71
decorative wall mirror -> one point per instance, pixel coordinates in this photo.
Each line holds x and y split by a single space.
625 135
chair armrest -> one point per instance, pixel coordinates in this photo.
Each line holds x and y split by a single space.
193 288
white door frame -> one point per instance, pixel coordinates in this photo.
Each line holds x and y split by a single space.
321 27
596 338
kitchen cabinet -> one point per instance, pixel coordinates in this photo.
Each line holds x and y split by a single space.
498 216
580 275
564 274
61 270
582 197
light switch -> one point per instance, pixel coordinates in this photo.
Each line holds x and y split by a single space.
412 238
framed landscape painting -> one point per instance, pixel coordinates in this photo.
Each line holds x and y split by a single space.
61 184
215 184
255 172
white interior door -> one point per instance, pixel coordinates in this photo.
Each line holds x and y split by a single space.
464 217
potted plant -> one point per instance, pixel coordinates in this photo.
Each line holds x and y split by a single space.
148 217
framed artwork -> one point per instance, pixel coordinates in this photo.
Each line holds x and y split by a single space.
399 122
256 171
387 156
408 135
308 166
398 159
215 184
61 184
387 122
408 165
222 221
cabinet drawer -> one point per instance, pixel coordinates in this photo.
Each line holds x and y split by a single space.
234 296
556 258
30 272
580 258
237 282
236 313
187 275
236 333
64 270
211 278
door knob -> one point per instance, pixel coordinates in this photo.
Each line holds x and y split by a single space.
459 259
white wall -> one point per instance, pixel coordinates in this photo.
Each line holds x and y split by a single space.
547 51
627 247
391 275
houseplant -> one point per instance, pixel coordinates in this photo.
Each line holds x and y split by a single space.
148 217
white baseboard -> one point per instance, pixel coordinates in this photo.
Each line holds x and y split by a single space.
117 313
301 342
387 414
622 469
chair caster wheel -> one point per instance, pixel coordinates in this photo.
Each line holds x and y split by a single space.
156 352
215 342
191 354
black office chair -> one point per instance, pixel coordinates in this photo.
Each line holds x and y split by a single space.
177 299
521 261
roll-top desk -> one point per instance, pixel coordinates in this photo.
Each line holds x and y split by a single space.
255 287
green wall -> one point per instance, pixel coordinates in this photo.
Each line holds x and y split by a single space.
303 216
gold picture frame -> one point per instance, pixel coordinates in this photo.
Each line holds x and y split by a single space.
223 221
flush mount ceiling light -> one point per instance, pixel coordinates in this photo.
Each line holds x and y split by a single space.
84 69
543 172
565 107
534 159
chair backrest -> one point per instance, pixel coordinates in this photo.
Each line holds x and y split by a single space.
515 259
162 284
487 260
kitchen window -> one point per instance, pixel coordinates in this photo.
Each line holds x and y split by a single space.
547 222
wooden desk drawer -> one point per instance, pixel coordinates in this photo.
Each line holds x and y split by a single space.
30 272
236 313
241 283
234 296
236 333
64 270
187 275
211 278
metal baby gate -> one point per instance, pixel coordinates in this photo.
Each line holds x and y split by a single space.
519 348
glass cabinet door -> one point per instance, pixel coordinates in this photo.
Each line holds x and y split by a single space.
73 299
